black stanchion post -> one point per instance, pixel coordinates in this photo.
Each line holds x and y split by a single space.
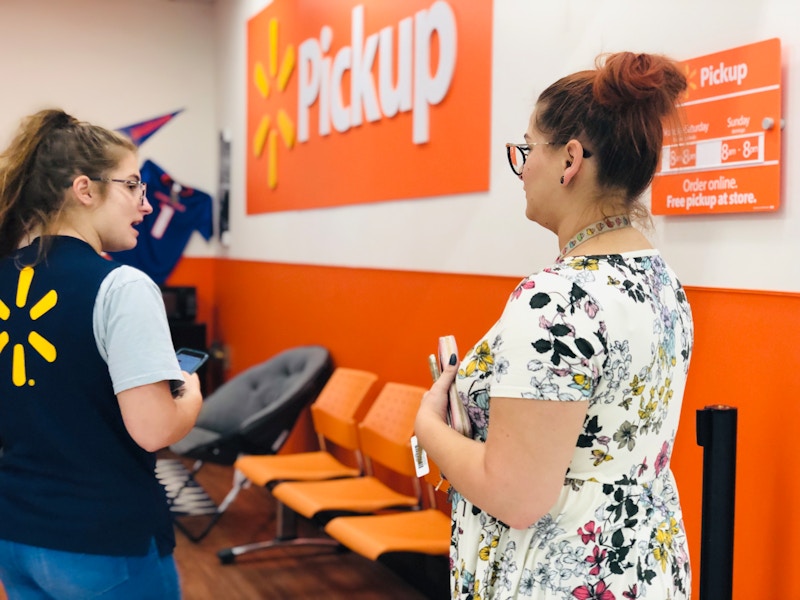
716 433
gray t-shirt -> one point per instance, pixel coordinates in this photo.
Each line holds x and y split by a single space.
131 330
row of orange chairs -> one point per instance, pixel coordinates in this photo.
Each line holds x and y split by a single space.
355 508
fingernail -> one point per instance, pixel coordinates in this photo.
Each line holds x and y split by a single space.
453 359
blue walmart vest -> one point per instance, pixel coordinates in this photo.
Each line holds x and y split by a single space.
71 477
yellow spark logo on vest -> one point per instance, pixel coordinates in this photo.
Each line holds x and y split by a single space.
266 134
45 349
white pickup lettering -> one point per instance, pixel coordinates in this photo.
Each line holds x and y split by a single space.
417 89
712 75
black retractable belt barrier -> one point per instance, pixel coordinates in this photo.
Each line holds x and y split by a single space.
716 433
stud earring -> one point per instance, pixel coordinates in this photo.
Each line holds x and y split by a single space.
562 180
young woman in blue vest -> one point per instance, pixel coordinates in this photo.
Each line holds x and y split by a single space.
86 361
563 490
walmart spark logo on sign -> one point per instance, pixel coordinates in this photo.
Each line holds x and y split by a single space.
41 345
266 134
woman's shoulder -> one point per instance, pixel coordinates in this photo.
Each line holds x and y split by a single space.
126 274
589 270
128 282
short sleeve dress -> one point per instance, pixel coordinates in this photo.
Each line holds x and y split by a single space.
616 331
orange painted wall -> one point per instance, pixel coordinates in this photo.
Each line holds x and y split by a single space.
746 356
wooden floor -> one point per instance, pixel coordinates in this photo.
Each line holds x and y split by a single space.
277 573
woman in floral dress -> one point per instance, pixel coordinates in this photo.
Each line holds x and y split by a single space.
564 490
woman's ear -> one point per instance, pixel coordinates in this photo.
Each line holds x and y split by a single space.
572 161
82 190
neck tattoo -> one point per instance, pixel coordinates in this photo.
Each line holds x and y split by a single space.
604 226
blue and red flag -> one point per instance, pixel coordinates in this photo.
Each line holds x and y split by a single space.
140 132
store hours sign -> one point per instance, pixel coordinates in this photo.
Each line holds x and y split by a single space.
727 157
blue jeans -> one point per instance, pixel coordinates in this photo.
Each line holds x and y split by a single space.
32 573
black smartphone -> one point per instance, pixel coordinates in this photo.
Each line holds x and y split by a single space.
189 360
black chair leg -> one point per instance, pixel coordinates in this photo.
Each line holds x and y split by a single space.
239 482
286 535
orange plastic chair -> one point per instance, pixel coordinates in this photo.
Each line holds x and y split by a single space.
372 536
384 437
335 415
414 544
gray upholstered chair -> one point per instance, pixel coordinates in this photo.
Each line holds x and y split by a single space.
253 413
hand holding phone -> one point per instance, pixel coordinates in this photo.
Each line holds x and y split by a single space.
457 416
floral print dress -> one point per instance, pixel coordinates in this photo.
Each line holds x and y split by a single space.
616 331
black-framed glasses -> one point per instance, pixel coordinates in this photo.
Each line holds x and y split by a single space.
133 185
518 154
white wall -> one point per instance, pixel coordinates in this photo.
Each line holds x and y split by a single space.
535 42
114 63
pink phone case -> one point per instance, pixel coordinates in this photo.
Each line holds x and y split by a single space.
457 412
